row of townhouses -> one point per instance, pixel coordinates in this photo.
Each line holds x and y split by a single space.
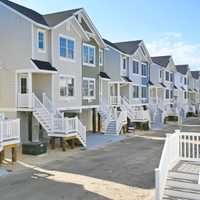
60 78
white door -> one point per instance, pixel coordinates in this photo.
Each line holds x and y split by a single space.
23 93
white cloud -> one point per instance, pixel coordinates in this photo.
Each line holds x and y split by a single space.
172 44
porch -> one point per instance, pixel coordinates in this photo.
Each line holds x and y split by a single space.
177 176
32 83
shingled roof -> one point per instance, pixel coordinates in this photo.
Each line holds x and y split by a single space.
50 20
161 60
195 74
112 45
53 19
183 69
129 47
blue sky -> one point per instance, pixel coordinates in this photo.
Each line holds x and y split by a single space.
167 27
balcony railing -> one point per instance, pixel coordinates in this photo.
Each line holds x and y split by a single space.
178 146
115 100
9 132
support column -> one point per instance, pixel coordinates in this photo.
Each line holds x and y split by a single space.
14 153
118 93
99 123
94 120
30 90
30 126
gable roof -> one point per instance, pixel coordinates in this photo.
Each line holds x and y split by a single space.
49 20
54 19
195 74
112 45
161 60
31 14
183 69
129 47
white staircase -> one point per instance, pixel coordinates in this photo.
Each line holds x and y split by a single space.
134 114
112 120
54 122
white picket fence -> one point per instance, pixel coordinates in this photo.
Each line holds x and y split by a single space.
178 146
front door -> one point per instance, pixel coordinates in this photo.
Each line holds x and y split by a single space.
23 92
23 84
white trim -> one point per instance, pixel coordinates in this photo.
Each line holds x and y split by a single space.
67 98
27 18
90 97
92 25
67 38
90 46
101 52
32 40
45 42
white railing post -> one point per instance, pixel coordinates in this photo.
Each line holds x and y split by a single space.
157 184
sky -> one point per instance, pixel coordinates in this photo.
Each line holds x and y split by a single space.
168 27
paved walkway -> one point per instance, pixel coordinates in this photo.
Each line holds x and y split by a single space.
96 141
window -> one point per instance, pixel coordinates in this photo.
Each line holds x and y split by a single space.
161 74
171 77
185 95
144 92
100 57
124 62
167 76
135 91
41 40
167 94
171 94
89 55
185 81
23 85
144 70
88 88
135 67
67 48
66 86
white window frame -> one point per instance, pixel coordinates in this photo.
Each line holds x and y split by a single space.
146 92
67 38
90 97
101 57
67 76
135 98
166 76
137 74
90 46
39 49
166 93
146 69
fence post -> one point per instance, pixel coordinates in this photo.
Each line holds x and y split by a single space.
157 184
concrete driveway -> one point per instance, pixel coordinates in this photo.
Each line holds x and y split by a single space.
120 171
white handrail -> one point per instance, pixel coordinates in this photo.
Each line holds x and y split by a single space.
178 146
50 106
121 120
10 130
170 156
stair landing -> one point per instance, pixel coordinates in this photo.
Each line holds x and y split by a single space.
182 182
